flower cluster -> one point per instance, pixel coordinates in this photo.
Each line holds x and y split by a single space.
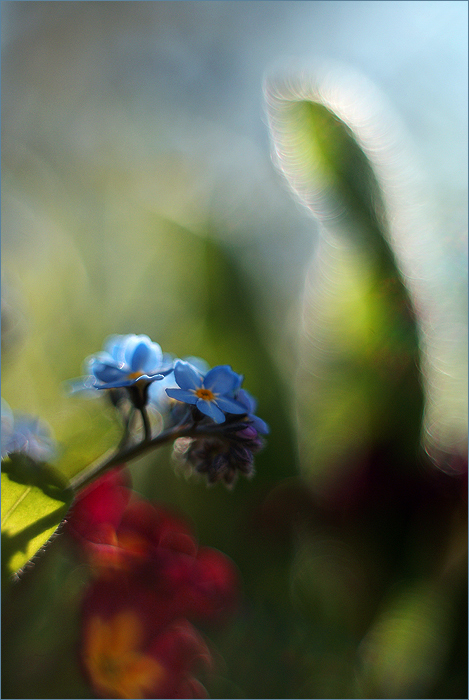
231 451
129 362
26 435
213 393
151 582
206 408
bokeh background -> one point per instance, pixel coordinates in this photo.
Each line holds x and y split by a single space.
139 196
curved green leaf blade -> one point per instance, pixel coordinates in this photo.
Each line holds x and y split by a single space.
35 499
324 158
360 379
343 154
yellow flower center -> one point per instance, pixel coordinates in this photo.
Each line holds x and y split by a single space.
205 394
134 375
117 667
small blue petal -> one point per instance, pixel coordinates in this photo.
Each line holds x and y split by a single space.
103 358
106 373
129 345
221 379
245 398
139 357
187 376
259 425
118 383
114 347
32 437
182 395
210 410
230 405
239 381
155 361
200 365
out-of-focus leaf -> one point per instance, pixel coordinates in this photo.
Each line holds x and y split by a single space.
326 165
359 382
359 379
344 156
405 650
35 499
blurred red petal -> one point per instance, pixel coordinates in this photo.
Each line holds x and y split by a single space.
175 645
202 587
159 526
219 580
98 509
181 649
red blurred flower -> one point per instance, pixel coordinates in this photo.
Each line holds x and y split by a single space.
151 580
127 651
119 531
113 658
95 517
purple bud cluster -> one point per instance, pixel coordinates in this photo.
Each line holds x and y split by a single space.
223 457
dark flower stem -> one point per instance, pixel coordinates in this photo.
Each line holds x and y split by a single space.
125 454
146 424
127 424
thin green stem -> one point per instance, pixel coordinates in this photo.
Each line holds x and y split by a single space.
126 454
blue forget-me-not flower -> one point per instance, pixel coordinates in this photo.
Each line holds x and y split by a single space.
125 361
212 393
158 398
25 434
128 363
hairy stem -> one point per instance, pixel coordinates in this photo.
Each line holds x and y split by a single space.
126 454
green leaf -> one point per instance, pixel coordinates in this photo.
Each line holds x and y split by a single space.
35 499
324 160
360 379
343 154
406 648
